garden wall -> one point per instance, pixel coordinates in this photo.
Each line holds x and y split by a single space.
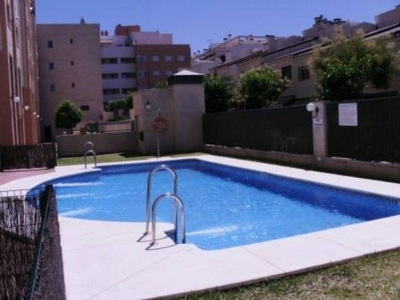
112 142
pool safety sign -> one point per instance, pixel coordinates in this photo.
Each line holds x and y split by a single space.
348 115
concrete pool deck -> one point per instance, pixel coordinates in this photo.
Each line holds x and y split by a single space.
112 260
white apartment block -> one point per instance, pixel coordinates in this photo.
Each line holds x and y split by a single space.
132 60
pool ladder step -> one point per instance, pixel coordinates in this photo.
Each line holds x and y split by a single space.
177 203
90 146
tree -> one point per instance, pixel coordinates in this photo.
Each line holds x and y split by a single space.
261 86
163 84
218 92
67 115
346 65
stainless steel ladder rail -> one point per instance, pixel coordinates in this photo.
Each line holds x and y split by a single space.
149 181
91 151
178 201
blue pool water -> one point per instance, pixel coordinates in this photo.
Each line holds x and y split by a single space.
224 206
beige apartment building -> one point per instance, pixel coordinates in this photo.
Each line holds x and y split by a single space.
86 65
70 69
19 97
291 56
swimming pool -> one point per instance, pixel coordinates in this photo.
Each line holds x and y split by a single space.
225 206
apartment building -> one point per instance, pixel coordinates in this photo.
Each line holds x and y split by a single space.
133 60
70 69
291 55
19 97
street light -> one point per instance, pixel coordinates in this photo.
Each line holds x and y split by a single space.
311 107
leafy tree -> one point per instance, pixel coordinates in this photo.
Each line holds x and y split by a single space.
126 102
347 65
67 115
161 84
218 92
261 86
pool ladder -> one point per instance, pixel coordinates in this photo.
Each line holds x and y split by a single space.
90 145
177 202
91 151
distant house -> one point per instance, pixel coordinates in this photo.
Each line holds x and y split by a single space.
291 55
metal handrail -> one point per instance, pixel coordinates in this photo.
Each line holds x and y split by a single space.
177 201
94 157
149 180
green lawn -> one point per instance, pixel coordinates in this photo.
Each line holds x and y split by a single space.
115 157
104 158
372 277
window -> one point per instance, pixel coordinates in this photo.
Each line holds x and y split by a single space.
156 74
72 62
127 60
109 76
8 14
181 58
128 75
109 60
303 73
168 73
50 44
51 66
85 107
110 91
73 84
127 91
142 73
141 58
155 58
71 41
287 72
168 58
52 88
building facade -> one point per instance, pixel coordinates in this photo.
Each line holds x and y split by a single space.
19 97
133 60
291 56
70 69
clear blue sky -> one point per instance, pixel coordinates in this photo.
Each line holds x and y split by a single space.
199 23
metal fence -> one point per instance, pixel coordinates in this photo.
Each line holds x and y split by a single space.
28 156
30 261
376 136
286 129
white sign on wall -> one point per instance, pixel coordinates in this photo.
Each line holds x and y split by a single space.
348 115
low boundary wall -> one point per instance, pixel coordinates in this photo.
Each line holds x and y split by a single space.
112 142
379 171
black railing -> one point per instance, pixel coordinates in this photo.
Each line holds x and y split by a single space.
376 137
287 129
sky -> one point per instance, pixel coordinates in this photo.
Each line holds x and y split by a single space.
203 22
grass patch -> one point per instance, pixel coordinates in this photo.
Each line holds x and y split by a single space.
115 157
372 277
103 158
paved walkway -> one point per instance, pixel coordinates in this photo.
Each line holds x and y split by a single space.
9 176
112 260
